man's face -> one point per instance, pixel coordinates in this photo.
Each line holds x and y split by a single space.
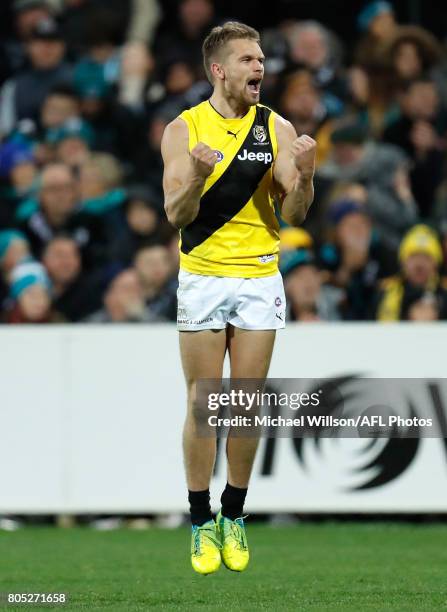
241 70
383 25
62 260
419 268
301 100
72 151
421 101
153 266
58 191
141 218
34 303
195 14
310 49
354 231
303 285
124 297
57 109
45 54
91 181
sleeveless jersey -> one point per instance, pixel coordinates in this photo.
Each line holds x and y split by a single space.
236 230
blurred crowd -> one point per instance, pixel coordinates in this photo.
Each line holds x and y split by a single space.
86 90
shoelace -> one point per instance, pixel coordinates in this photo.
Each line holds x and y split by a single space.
238 532
205 532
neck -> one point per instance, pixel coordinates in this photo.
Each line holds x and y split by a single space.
229 108
56 219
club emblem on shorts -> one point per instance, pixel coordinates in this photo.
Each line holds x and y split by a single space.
259 133
219 155
278 301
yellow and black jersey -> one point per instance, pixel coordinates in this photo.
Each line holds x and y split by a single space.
236 231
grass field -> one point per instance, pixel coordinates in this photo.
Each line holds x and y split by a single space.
348 566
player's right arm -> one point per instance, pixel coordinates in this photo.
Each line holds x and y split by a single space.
184 174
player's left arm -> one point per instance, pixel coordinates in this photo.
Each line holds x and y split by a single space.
293 172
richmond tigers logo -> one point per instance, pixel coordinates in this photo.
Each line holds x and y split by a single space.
259 133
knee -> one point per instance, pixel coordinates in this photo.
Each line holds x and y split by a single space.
197 405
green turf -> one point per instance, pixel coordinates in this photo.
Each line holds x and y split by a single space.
325 567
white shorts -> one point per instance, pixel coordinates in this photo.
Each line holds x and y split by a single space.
213 302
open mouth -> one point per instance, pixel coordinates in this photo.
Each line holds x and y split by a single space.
254 85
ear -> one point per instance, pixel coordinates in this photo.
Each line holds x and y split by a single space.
217 71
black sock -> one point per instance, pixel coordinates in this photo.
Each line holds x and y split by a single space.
199 506
232 501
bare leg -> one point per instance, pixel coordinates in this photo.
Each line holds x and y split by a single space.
250 355
202 354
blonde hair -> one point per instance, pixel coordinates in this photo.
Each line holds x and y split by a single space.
108 167
218 38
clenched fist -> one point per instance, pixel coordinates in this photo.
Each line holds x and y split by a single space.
303 151
203 159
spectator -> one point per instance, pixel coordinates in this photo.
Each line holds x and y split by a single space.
71 142
30 292
57 211
128 21
136 68
142 227
148 162
195 18
371 78
13 249
100 176
372 98
355 257
86 21
52 213
102 197
308 109
292 238
60 105
421 131
27 14
155 271
381 169
18 176
316 222
308 299
75 294
117 127
317 49
412 53
124 302
178 79
22 96
420 256
377 23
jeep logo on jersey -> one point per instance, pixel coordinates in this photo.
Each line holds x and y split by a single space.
250 156
259 133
